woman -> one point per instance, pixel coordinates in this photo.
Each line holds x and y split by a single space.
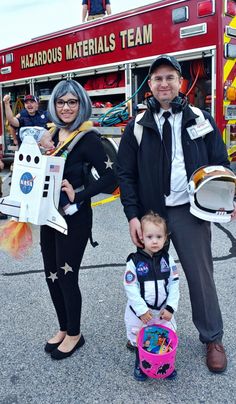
70 108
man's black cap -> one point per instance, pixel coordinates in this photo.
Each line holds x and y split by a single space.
165 60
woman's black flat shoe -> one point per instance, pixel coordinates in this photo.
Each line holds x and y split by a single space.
51 347
56 354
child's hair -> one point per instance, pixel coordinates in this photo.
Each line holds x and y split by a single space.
152 217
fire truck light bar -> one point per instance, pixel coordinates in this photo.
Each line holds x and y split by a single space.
9 58
230 7
230 32
5 70
230 51
180 14
205 8
193 30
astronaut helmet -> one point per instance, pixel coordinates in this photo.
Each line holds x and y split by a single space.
211 193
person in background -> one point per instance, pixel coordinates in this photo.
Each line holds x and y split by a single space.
13 134
151 283
93 9
69 109
156 158
29 116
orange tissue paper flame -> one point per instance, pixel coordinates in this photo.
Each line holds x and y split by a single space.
15 238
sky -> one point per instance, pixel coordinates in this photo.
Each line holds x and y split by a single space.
22 20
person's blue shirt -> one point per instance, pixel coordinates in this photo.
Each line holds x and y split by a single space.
96 6
40 118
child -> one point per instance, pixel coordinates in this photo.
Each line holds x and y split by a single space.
151 283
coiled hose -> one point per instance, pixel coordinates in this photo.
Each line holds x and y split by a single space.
118 114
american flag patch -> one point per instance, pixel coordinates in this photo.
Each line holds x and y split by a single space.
175 271
54 168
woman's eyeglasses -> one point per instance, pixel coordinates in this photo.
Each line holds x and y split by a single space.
70 103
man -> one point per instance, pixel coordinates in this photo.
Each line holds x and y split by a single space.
154 174
95 9
29 116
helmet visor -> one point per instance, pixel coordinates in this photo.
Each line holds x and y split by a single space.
216 195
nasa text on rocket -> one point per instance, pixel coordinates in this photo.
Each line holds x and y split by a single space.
35 187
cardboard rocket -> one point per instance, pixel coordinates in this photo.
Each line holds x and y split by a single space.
35 187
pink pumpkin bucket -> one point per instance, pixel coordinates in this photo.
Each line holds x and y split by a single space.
157 347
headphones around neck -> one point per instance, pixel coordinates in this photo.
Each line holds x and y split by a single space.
178 104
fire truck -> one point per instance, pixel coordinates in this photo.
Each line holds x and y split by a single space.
111 56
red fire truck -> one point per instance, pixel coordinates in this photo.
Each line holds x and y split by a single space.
110 58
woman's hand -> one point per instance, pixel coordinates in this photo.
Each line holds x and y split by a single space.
67 187
1 165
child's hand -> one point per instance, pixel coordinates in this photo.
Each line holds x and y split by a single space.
146 317
165 315
67 187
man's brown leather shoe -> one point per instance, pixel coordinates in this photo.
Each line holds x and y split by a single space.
216 358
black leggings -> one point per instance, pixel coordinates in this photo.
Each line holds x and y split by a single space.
62 256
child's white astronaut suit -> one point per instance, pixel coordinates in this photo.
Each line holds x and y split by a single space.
151 283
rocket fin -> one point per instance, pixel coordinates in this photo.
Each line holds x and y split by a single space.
56 221
10 207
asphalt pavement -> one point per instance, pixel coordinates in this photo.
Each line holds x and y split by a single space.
102 370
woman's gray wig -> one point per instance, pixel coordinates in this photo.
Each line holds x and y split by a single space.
62 88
